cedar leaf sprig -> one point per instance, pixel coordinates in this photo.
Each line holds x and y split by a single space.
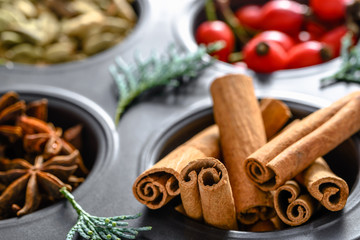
157 71
350 64
100 228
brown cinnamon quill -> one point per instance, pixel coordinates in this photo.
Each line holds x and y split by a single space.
272 224
292 151
206 193
237 113
160 183
330 190
275 114
292 206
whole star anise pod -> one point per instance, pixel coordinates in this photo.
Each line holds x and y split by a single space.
10 107
45 139
29 184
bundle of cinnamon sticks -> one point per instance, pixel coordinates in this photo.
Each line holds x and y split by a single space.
255 169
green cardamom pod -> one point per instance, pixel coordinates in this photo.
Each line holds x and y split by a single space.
26 7
59 52
9 38
115 25
25 53
99 42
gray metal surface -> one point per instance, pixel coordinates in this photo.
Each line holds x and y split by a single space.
162 22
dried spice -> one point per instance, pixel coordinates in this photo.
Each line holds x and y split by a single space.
34 182
53 31
36 158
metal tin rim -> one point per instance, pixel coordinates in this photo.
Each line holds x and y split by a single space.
108 150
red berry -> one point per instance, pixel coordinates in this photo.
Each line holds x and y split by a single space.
279 37
307 54
264 56
329 10
282 15
333 39
249 16
212 31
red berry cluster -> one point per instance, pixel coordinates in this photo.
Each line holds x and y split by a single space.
288 34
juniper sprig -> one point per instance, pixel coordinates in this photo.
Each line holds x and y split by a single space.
100 228
350 64
166 70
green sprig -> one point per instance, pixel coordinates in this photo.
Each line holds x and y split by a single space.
156 71
100 228
350 64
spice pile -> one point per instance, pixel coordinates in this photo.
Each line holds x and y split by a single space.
281 34
256 169
54 31
36 158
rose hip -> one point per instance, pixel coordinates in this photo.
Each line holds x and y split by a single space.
264 56
249 16
276 36
282 15
212 31
307 54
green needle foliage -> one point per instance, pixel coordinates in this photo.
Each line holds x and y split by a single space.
350 67
156 71
98 228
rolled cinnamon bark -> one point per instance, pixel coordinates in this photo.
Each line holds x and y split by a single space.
206 193
237 113
292 151
291 124
272 224
262 226
293 207
275 114
330 190
160 183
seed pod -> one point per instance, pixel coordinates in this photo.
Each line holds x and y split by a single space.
82 7
98 42
7 19
115 25
14 12
9 38
125 10
29 30
60 8
25 53
49 26
27 8
59 52
78 26
103 4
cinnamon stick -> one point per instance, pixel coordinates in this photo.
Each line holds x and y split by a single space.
159 184
330 190
292 151
206 193
262 226
275 114
292 206
291 124
237 113
272 224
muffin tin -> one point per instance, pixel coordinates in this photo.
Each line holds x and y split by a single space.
84 91
343 160
100 141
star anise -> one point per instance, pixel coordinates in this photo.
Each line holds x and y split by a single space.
36 158
45 139
38 109
10 107
29 184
